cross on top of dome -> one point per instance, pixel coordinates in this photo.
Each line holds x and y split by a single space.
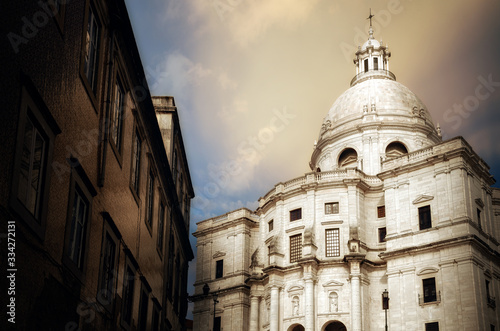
371 27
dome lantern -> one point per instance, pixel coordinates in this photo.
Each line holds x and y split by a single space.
372 59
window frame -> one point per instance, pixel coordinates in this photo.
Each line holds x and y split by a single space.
217 323
135 163
33 108
431 297
219 269
156 315
270 225
160 236
170 262
381 211
478 214
150 200
109 232
117 146
79 183
335 244
424 224
431 326
128 291
92 7
142 316
295 248
332 208
58 13
382 230
293 213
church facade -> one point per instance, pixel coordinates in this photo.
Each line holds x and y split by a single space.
388 207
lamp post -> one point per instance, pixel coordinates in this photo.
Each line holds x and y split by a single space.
385 305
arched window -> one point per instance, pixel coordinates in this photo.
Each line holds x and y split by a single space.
347 158
395 149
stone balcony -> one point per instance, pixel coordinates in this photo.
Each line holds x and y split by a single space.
371 74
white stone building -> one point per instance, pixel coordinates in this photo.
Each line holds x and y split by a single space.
388 205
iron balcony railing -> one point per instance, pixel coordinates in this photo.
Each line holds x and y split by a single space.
431 299
373 73
491 301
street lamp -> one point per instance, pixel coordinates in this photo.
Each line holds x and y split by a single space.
385 305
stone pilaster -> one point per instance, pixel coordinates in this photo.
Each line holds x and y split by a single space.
309 267
355 275
254 312
274 311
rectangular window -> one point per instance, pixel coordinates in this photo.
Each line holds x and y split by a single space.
150 200
381 234
170 263
270 225
332 238
219 268
117 117
295 248
108 269
490 299
32 168
217 323
434 326
381 211
366 65
92 50
128 295
174 167
375 63
424 217
155 320
429 285
80 196
331 208
136 162
36 133
143 310
78 229
479 217
161 220
295 214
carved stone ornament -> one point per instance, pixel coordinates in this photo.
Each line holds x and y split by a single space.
422 198
218 254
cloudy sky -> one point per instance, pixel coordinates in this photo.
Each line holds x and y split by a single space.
238 68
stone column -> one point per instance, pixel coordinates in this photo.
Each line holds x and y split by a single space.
254 313
354 263
356 303
309 309
274 311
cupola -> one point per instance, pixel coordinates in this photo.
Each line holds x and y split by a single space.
375 119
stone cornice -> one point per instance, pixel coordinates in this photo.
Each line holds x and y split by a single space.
225 224
445 151
469 239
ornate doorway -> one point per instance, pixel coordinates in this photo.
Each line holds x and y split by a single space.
335 326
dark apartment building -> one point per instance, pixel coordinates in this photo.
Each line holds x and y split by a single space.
95 187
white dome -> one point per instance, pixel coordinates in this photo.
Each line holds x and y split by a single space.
371 42
388 96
